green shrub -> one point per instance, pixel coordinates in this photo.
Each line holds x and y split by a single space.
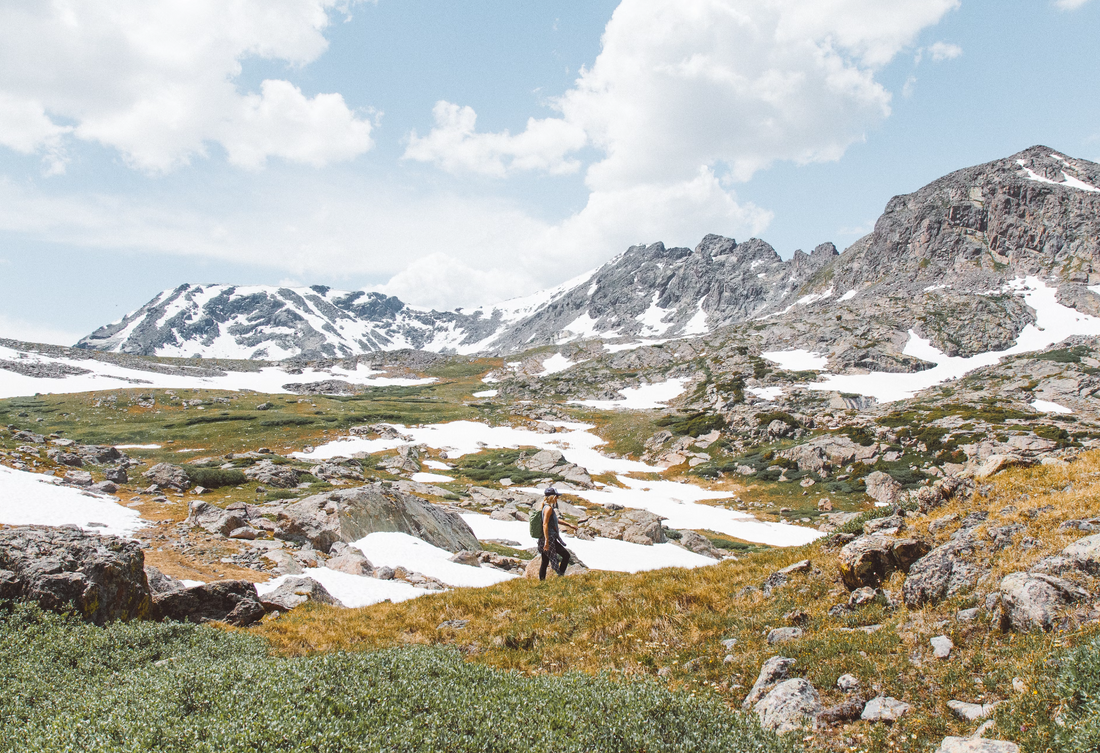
213 478
176 688
694 424
1079 684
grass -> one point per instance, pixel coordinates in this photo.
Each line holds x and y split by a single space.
634 625
175 688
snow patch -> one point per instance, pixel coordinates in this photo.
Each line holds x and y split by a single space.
556 363
431 478
847 296
487 393
1045 406
767 393
1067 181
353 591
645 397
799 359
34 499
402 550
697 325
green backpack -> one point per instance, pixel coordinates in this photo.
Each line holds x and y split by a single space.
536 522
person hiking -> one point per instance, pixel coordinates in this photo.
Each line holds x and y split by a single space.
551 548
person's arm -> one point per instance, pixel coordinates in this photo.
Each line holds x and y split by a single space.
546 527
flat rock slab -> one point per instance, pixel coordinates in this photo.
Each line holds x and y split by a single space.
790 705
884 709
971 712
976 745
942 646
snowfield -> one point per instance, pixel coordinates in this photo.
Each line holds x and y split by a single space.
33 499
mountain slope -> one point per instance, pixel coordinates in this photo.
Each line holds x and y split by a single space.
938 262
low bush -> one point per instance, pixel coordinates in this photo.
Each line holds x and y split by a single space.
213 478
173 688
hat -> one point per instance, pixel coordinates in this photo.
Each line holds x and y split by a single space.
550 492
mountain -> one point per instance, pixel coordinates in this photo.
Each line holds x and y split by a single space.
939 261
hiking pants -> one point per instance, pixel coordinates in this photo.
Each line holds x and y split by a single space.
558 554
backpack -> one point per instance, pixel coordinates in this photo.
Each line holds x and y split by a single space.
536 522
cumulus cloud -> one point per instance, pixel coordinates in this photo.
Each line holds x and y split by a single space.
455 145
1070 4
155 79
941 51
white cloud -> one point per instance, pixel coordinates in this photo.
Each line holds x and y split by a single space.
941 51
454 144
1070 4
155 79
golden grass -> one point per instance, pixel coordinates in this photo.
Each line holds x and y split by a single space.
637 624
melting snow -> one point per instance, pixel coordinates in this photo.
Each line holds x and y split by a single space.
930 288
645 397
767 393
436 465
632 346
137 446
109 376
697 325
797 360
1054 323
651 318
409 552
847 296
556 363
487 393
1067 180
352 590
35 499
1045 406
431 478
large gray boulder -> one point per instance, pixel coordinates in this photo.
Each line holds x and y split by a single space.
1031 601
102 578
884 709
350 514
773 671
168 476
869 560
699 544
942 572
232 601
161 583
882 487
296 591
791 705
643 527
215 519
1084 554
271 474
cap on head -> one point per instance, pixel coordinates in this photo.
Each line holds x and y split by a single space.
550 492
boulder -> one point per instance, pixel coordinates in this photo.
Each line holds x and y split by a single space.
295 591
976 745
942 646
846 711
407 459
773 671
1031 601
784 635
642 527
1084 554
331 471
884 709
848 683
116 475
78 478
789 706
161 583
467 557
232 601
940 573
869 560
882 487
98 455
351 561
699 544
350 514
168 476
270 474
102 578
215 519
971 712
542 461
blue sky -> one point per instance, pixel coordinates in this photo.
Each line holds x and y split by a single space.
456 153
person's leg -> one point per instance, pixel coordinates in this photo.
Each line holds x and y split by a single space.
545 561
564 558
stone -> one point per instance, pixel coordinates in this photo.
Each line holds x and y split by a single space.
882 487
78 478
784 635
884 709
848 683
941 646
790 705
351 561
866 595
103 487
101 578
772 672
295 591
994 464
846 711
231 601
350 514
1031 601
869 560
976 745
802 566
245 533
1084 554
452 625
284 562
967 615
466 557
270 474
699 544
168 476
971 712
98 455
66 458
116 475
161 583
216 520
891 523
642 527
941 573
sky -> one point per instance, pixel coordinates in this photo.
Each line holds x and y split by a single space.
457 153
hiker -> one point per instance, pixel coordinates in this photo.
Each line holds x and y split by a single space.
551 548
